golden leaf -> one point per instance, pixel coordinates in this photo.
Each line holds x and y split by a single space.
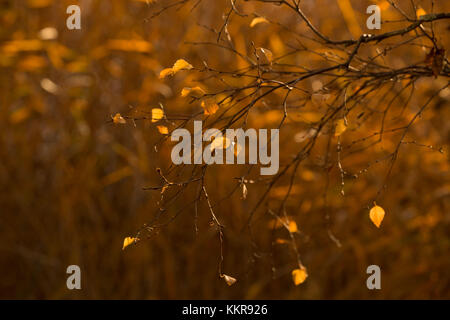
157 114
196 92
228 279
166 72
420 12
163 129
340 127
258 20
118 119
376 215
181 64
281 241
220 143
210 106
292 227
299 276
128 241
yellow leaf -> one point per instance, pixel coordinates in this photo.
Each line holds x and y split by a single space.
281 241
299 276
420 12
220 143
166 72
118 119
196 92
340 127
376 215
129 240
257 20
163 129
181 64
292 227
228 279
210 106
157 114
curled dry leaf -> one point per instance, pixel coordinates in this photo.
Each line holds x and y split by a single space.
128 241
157 114
118 119
376 214
299 275
180 64
267 54
258 20
228 279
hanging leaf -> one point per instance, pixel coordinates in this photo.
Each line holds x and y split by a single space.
196 92
118 119
376 215
228 279
258 20
420 12
340 127
157 114
292 227
181 64
209 106
163 129
299 275
166 72
220 143
128 241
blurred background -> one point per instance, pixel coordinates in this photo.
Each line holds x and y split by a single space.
71 180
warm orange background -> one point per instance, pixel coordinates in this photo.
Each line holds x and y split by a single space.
71 181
